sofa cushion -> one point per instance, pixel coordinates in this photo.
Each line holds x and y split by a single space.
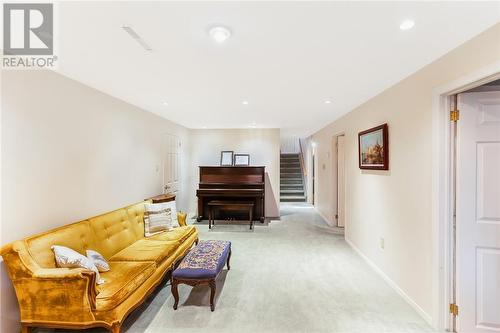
179 234
146 250
122 280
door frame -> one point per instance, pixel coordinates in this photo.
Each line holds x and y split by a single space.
442 191
335 172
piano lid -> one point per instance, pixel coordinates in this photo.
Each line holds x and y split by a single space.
232 175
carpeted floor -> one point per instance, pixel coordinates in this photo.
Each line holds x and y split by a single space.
294 275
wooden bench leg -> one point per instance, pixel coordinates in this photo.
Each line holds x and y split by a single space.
175 292
25 328
212 294
251 218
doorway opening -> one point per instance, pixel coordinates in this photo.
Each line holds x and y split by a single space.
171 165
469 192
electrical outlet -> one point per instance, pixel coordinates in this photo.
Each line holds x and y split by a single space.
382 243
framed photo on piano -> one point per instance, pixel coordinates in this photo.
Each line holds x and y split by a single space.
226 158
241 159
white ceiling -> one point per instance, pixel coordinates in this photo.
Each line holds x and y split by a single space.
284 58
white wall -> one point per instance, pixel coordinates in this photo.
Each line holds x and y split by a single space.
263 145
70 152
396 204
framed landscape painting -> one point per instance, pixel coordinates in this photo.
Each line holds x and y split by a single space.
373 145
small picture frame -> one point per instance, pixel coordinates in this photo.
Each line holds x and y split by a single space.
241 159
226 158
373 145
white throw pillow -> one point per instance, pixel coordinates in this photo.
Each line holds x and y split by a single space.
157 218
98 260
173 209
68 258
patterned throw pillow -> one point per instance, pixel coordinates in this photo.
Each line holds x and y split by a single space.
157 218
68 258
98 260
173 208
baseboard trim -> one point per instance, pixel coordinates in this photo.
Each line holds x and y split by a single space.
323 216
392 284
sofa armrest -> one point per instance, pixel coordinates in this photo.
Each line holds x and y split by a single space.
73 276
50 294
181 218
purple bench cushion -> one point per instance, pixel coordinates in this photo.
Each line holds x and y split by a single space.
205 261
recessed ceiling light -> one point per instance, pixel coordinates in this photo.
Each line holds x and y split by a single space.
204 127
313 144
407 25
219 33
327 102
244 102
165 103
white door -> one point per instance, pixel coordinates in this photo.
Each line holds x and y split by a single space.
171 164
478 213
340 181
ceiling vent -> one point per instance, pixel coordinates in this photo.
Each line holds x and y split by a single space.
136 37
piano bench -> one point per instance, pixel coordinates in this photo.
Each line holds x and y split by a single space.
229 206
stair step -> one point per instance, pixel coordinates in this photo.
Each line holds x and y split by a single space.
288 193
291 187
297 198
290 181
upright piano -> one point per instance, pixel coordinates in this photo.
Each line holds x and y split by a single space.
231 183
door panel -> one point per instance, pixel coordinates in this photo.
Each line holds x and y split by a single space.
478 213
171 164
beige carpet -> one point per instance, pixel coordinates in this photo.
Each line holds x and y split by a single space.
295 275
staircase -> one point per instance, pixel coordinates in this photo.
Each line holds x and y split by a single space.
291 182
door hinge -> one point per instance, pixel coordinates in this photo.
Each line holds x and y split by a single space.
454 115
454 309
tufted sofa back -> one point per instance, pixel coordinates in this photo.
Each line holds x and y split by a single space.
108 234
77 236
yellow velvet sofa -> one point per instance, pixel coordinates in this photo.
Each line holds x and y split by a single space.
69 297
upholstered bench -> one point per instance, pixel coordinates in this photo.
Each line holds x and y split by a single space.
201 266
